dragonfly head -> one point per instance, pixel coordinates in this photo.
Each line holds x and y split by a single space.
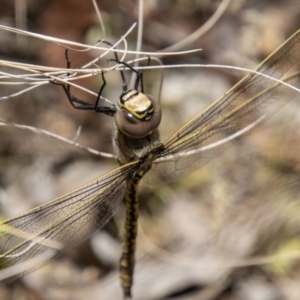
139 114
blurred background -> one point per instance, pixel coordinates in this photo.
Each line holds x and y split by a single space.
207 236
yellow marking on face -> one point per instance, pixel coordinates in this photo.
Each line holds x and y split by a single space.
138 104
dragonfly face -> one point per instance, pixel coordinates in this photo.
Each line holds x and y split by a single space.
137 104
135 136
141 155
139 114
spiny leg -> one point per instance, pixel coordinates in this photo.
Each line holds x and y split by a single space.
139 75
142 77
124 84
84 105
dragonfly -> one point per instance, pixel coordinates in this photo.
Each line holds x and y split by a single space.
29 239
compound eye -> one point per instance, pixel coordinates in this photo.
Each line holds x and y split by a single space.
135 127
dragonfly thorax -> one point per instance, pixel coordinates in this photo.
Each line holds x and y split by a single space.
139 114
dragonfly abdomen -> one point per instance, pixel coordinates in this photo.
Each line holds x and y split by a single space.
130 233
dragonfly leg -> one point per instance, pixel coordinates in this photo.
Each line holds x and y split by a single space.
139 74
124 84
138 80
82 104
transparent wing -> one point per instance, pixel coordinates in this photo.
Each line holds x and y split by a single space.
253 98
63 222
